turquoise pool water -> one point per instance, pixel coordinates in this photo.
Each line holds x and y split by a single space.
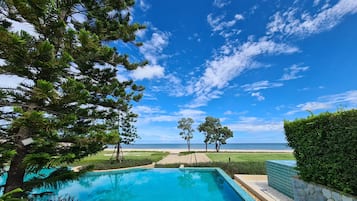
168 184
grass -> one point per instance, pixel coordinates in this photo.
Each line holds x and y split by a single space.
249 157
241 163
184 153
106 159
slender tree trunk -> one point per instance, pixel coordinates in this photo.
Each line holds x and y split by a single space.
16 173
117 157
206 146
217 147
188 145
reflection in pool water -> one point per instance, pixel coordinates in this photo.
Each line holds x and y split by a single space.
146 185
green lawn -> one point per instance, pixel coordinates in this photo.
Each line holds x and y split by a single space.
104 159
241 163
249 157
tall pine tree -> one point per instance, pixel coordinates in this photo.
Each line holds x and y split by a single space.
70 97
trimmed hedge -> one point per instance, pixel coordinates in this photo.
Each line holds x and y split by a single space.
230 168
325 147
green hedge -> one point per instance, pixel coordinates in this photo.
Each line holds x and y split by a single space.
230 168
325 147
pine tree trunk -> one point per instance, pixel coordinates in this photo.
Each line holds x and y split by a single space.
16 173
206 146
117 158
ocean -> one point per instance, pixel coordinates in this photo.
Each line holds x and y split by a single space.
230 146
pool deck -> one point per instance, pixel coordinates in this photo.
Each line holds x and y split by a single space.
257 185
193 158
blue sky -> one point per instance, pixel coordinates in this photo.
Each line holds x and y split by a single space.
253 64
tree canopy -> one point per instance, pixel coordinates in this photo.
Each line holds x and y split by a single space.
214 132
69 96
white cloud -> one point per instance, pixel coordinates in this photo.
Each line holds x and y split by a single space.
153 48
141 109
239 17
291 73
224 68
221 3
175 87
140 33
258 95
144 6
254 124
288 23
195 36
23 26
311 106
194 114
316 2
148 72
228 112
256 86
13 81
171 85
347 99
218 24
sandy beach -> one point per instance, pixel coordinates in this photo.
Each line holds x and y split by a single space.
209 150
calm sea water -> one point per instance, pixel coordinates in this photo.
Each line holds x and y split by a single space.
234 146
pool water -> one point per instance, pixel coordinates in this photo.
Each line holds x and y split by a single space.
169 184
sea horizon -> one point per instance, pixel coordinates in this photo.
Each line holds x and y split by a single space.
230 146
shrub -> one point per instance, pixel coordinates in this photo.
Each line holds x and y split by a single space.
230 168
325 147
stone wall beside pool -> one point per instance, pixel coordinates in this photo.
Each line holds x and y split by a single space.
304 191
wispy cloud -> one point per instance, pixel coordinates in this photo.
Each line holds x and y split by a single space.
224 68
142 109
254 124
218 24
347 99
256 86
195 36
292 72
144 6
293 22
221 3
148 114
258 95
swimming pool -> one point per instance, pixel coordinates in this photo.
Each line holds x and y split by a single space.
167 184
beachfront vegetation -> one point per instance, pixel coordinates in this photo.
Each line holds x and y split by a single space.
249 157
185 124
325 147
230 168
126 132
214 132
106 159
70 96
